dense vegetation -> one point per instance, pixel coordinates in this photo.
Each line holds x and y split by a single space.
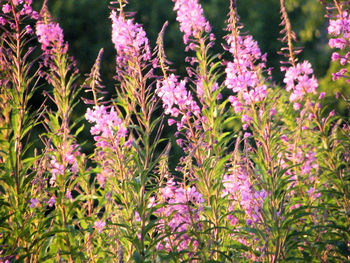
188 143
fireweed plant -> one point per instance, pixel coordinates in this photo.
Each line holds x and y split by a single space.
278 190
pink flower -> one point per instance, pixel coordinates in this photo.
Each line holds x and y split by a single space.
100 225
171 122
246 119
233 219
55 169
191 19
6 8
247 135
284 138
240 191
335 56
239 78
3 21
26 10
50 35
237 106
322 95
176 99
69 195
181 206
129 39
332 113
273 112
34 202
17 2
313 194
300 81
339 30
296 106
337 43
51 201
241 73
29 30
108 126
101 179
340 25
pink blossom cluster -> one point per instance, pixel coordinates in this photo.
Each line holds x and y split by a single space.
339 29
110 133
51 201
59 167
50 36
299 79
71 152
239 189
56 169
25 10
3 21
243 74
180 211
6 8
176 99
99 226
306 160
109 129
106 171
191 19
129 40
35 202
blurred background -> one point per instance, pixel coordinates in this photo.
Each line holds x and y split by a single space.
87 28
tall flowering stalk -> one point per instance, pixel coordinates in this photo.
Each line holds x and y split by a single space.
61 69
335 139
339 32
299 78
130 42
18 82
15 79
62 154
200 133
244 73
197 31
286 158
200 117
249 181
126 137
262 164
